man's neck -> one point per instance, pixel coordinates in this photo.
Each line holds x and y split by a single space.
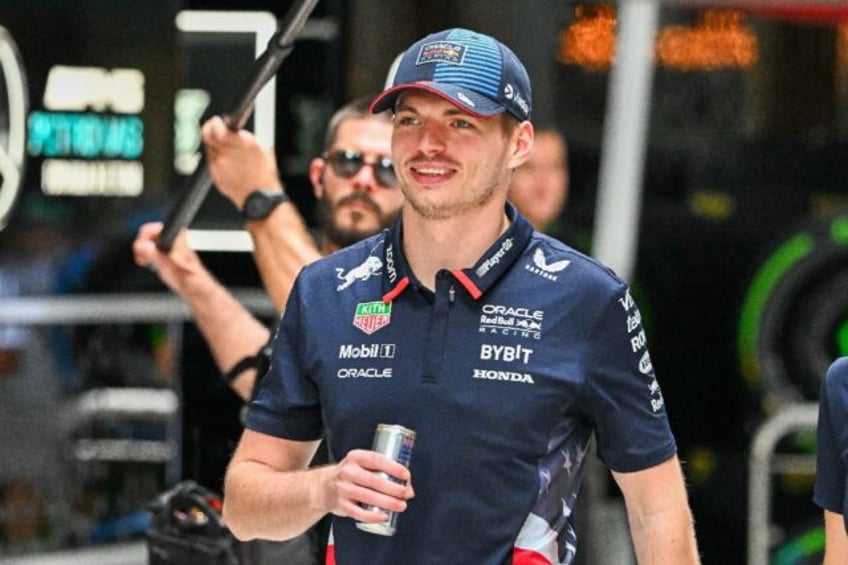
328 246
453 243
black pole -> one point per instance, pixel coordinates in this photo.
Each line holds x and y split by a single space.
279 47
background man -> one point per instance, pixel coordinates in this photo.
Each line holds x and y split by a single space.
354 184
539 187
355 187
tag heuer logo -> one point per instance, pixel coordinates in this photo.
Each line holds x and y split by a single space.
371 316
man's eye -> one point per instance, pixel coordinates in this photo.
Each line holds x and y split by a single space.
462 124
406 120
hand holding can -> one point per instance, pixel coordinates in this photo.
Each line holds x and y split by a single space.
395 442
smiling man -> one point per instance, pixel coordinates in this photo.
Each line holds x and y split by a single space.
502 348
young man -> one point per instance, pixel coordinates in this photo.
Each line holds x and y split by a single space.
357 196
502 348
831 490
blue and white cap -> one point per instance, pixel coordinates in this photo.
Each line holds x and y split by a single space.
475 72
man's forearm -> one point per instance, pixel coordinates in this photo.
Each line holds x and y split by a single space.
261 502
282 246
665 539
230 330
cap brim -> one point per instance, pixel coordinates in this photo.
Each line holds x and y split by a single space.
464 99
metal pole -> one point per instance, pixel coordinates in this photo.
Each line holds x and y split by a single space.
624 141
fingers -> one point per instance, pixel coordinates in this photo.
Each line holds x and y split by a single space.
214 130
144 246
371 479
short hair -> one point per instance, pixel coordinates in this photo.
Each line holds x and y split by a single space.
356 109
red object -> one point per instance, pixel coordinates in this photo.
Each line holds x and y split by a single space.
819 13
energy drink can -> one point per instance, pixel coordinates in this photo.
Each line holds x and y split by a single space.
395 442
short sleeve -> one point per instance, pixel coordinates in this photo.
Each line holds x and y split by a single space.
287 404
623 399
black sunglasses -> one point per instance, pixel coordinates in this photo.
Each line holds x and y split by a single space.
348 163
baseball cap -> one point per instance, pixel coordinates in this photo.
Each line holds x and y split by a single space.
475 72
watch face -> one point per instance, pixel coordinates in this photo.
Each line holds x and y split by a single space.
255 205
260 204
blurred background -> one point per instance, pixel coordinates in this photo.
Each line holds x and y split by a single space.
722 143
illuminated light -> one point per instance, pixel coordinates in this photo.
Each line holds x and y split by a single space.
189 106
841 337
712 204
94 88
88 136
842 49
839 230
589 41
61 177
718 41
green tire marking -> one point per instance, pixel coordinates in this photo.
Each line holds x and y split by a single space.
788 254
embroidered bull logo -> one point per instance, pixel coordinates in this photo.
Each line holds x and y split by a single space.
372 266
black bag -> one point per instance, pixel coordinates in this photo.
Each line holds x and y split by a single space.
187 529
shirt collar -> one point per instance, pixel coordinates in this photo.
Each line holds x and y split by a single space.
476 280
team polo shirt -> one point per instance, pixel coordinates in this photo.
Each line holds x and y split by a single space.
503 371
831 492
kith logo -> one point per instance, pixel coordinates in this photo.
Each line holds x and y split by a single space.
371 316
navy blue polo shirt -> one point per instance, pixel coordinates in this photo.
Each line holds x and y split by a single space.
504 371
830 491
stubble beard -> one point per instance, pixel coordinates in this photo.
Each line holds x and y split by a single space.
342 236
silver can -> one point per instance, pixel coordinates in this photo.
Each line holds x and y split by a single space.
396 442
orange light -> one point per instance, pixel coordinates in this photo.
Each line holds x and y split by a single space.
842 49
589 41
719 40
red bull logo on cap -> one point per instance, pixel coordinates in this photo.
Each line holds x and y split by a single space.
441 52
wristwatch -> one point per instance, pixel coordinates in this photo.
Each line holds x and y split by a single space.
260 204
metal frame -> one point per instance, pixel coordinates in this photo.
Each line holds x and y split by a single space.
765 462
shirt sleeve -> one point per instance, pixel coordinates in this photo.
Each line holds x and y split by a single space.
286 404
622 396
832 439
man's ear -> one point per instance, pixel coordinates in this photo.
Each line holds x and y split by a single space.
522 144
317 170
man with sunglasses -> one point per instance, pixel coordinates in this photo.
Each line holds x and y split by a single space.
355 188
503 349
356 193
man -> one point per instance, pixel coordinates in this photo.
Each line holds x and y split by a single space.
354 184
539 187
831 489
502 348
355 187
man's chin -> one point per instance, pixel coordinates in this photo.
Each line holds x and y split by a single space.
344 237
